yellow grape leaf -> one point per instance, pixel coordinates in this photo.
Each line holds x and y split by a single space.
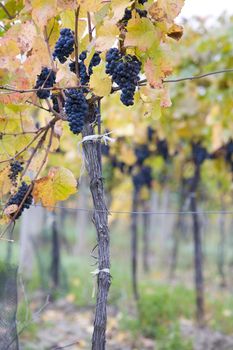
43 10
21 82
119 200
5 183
91 5
127 155
166 10
165 98
68 21
67 4
145 193
53 30
9 50
36 163
25 36
4 219
7 146
100 15
57 186
175 31
55 144
118 9
100 82
217 136
156 72
38 57
106 36
156 110
137 30
21 33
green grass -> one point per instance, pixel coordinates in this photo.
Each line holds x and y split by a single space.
161 305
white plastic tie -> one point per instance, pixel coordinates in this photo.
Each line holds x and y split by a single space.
94 138
95 273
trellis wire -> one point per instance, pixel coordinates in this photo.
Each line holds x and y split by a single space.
212 212
207 212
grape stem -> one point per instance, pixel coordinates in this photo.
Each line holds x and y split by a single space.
6 11
89 26
76 47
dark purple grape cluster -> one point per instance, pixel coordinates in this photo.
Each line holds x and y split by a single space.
45 79
162 149
19 197
119 165
199 153
150 133
143 178
76 109
15 169
229 154
229 151
64 46
128 14
54 99
85 73
124 70
142 13
105 149
95 61
142 153
141 2
81 67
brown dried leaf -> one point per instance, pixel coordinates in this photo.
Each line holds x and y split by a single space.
11 209
175 32
58 185
166 10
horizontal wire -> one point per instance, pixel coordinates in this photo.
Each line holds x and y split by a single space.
226 212
211 212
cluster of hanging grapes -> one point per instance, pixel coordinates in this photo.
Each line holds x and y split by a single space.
15 169
123 68
128 12
22 198
140 172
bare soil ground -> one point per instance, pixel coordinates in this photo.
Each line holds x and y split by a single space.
61 325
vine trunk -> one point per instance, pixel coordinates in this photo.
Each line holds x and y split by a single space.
100 219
